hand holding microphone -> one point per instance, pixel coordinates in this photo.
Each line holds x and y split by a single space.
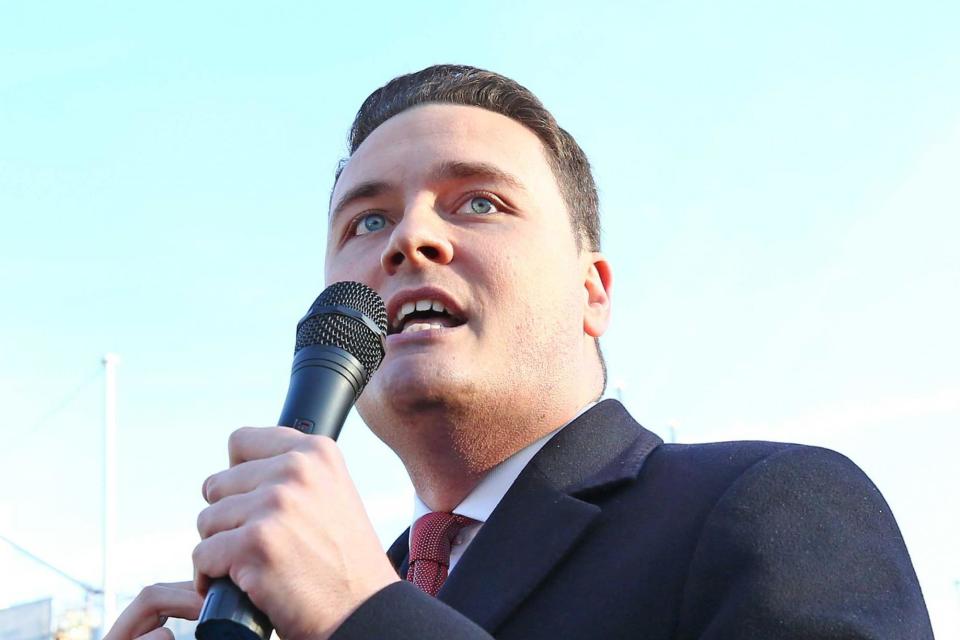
285 522
286 515
287 525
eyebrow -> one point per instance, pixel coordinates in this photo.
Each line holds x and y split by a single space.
370 189
445 171
454 170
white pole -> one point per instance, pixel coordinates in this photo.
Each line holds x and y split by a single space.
108 614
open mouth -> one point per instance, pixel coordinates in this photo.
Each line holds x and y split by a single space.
423 315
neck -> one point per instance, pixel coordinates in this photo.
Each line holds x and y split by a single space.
449 439
452 454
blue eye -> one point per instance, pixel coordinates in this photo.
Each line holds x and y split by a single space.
479 205
370 222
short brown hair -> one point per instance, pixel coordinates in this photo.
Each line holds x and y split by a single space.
469 86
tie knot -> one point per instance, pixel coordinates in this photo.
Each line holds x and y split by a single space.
433 534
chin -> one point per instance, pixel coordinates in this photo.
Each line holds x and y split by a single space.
400 410
400 392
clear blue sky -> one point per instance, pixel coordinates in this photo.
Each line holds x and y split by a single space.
780 185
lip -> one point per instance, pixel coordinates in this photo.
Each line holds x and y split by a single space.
426 336
398 299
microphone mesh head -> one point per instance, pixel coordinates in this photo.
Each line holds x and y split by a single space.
323 326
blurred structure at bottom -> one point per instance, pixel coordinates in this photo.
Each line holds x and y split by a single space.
35 621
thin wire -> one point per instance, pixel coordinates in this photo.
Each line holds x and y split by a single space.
37 425
83 585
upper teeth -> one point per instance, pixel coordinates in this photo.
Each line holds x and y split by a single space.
420 305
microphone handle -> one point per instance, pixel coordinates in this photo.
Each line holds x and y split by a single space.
324 384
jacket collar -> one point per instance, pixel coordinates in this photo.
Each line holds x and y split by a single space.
544 514
603 447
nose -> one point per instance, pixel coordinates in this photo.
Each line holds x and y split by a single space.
420 238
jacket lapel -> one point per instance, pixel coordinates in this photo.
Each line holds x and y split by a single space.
528 533
399 553
543 515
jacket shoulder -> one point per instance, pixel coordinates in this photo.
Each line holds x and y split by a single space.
798 543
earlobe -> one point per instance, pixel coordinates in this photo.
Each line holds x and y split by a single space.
598 286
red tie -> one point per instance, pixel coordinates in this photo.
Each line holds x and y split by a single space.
433 534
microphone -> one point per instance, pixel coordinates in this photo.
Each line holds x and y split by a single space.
340 343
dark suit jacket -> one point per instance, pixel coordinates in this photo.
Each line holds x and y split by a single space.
609 533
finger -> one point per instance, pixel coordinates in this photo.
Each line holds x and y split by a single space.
160 633
247 476
238 479
214 556
185 585
157 601
231 512
292 466
255 443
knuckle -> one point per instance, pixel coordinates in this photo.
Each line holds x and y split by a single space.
277 497
237 438
209 488
258 537
314 445
296 466
150 595
197 554
234 439
323 448
203 523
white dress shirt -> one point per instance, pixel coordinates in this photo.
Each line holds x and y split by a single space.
485 497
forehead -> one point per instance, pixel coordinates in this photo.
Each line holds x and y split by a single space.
411 144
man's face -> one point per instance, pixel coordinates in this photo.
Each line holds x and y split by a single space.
455 208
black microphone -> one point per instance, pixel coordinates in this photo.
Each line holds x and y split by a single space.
340 343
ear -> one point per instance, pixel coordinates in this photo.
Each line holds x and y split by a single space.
598 287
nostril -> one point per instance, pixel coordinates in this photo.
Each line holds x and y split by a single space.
430 253
396 259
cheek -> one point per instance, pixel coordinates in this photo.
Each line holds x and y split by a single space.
541 293
356 262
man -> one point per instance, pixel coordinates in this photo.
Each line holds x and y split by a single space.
475 217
